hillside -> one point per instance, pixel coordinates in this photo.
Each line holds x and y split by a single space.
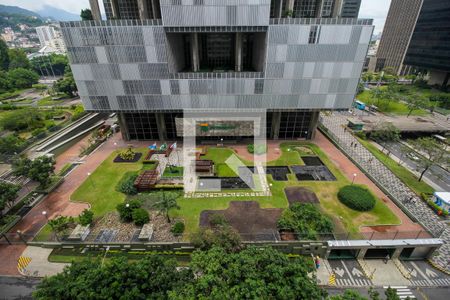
58 14
15 10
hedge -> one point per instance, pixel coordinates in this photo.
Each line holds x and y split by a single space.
126 183
357 197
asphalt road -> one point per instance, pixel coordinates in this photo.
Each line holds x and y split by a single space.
17 287
436 174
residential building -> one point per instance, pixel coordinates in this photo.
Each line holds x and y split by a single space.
429 48
152 61
397 33
51 36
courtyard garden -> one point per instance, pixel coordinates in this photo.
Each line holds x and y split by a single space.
303 183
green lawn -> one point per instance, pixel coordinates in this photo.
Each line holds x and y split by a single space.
99 188
394 107
345 219
173 171
404 174
48 101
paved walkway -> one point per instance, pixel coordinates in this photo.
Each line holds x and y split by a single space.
57 203
39 266
335 124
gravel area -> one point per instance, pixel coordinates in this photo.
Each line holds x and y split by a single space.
162 228
111 221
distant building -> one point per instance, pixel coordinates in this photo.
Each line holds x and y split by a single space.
398 29
429 48
49 36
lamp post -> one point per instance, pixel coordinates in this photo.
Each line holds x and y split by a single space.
44 213
354 176
21 236
90 179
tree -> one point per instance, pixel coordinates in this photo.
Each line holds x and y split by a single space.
86 15
66 84
50 64
86 217
11 144
8 193
391 294
414 102
385 132
21 119
22 78
40 169
377 94
5 84
253 273
152 277
223 236
4 57
348 295
167 202
433 151
59 224
18 59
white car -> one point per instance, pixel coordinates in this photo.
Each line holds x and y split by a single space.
413 156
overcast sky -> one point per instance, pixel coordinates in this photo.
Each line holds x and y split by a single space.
372 9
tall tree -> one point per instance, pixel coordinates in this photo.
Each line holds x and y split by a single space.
167 202
433 151
86 15
4 57
40 169
152 277
66 84
22 78
8 193
414 102
18 59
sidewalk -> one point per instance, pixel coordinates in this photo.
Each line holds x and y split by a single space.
39 266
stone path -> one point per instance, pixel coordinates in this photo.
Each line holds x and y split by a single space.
401 194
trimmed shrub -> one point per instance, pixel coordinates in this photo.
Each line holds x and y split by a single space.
178 228
259 149
126 183
140 216
86 217
357 197
125 212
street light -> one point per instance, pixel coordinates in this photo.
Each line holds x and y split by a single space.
44 213
90 179
354 176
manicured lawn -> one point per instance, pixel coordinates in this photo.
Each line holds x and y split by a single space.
219 156
344 217
48 101
404 174
394 107
173 171
99 188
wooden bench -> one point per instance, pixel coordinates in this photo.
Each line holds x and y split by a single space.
146 232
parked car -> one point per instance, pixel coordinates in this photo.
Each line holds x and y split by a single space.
412 156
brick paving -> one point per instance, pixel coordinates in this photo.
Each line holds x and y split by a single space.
335 125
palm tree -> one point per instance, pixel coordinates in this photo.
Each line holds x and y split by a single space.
167 202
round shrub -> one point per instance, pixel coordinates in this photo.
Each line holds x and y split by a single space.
125 212
357 197
178 228
140 216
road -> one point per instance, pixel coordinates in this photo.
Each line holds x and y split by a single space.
436 174
13 287
435 293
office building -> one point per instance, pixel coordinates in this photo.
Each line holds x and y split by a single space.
429 48
152 61
50 37
397 33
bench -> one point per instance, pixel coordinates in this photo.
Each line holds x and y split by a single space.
146 232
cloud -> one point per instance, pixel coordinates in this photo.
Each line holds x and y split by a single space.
68 5
376 10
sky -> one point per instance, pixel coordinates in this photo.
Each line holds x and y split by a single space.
372 9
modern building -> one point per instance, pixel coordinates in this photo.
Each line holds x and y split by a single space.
50 37
397 33
154 60
429 48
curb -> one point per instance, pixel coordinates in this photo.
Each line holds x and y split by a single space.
438 267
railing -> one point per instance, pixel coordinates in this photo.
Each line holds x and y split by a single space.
216 75
320 21
119 22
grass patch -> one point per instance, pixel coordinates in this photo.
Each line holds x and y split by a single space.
406 176
99 188
173 172
393 107
48 101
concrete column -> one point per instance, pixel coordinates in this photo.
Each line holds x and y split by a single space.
115 9
278 9
361 253
156 9
238 52
276 119
123 127
95 9
337 8
396 253
319 8
313 125
194 52
143 10
161 123
290 5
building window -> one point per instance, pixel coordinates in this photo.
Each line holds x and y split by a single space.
314 34
141 126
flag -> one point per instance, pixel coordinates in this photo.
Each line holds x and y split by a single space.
163 147
173 146
152 147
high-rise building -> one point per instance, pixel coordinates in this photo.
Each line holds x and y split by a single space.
154 60
429 48
45 34
397 33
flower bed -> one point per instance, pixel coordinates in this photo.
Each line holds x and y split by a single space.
136 158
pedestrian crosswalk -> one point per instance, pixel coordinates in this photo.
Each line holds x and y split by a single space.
22 263
353 282
403 292
432 282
